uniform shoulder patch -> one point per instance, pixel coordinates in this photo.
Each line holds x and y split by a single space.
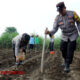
76 17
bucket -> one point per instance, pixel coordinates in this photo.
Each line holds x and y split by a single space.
21 56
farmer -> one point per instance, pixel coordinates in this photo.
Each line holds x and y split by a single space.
51 45
19 43
36 42
31 43
66 22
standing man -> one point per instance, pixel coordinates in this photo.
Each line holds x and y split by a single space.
36 43
66 22
31 43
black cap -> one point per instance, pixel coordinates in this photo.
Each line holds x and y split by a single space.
60 6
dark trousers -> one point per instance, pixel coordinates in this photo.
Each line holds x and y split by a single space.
13 46
36 47
31 46
68 49
51 46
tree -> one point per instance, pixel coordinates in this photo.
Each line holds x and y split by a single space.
11 30
7 36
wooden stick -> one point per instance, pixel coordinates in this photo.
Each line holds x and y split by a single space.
43 51
78 30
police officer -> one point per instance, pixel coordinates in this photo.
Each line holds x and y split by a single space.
66 22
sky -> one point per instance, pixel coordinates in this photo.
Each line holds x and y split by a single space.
32 16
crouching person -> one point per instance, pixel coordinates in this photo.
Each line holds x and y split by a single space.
19 44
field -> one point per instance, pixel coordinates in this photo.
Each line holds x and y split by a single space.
32 64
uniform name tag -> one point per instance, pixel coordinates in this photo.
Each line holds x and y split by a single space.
60 23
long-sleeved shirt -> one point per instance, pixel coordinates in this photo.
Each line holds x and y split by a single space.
67 25
16 40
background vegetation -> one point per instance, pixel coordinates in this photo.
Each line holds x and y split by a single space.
6 37
11 32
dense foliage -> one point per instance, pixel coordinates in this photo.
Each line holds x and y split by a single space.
11 30
6 37
6 40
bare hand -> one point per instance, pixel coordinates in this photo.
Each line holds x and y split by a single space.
17 59
21 50
47 31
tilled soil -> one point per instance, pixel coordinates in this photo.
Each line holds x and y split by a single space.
7 58
52 68
54 71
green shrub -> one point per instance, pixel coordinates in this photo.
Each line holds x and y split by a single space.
57 43
78 44
6 40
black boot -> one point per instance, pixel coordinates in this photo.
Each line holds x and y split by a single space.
63 64
67 68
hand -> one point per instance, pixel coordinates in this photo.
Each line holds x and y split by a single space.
21 50
47 31
17 59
